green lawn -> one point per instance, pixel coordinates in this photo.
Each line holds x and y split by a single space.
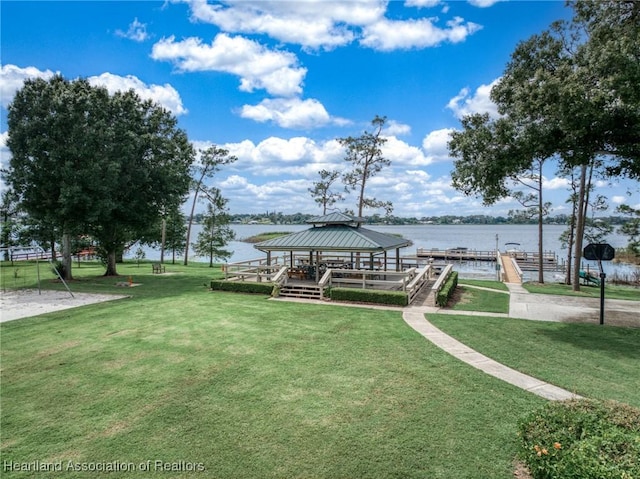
252 388
245 386
473 299
499 285
588 359
611 292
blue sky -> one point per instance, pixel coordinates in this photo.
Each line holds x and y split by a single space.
277 82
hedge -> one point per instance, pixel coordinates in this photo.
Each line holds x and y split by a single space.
447 290
242 287
394 298
580 439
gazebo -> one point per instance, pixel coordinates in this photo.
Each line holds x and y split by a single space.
335 240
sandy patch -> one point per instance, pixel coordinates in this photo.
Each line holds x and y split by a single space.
24 303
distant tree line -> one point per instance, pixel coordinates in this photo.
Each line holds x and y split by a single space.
301 218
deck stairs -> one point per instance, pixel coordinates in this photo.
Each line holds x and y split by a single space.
301 290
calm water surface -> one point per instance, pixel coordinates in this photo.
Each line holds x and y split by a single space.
478 237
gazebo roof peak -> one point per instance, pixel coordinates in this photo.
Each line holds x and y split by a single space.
335 218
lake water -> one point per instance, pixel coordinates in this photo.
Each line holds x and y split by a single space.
478 237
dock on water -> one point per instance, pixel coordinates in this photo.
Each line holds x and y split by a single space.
527 261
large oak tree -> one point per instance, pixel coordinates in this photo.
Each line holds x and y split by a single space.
94 163
574 89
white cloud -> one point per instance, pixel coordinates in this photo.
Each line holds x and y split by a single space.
165 95
387 35
555 183
618 200
291 113
422 3
277 72
401 153
298 156
322 24
137 31
312 24
282 195
12 78
483 3
435 145
394 128
480 102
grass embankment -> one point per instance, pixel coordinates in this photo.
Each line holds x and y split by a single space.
265 236
245 386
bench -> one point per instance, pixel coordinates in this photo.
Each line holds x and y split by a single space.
157 268
299 273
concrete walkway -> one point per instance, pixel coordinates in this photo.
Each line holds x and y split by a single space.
415 317
523 305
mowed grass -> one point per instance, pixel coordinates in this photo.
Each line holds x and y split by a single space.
247 387
467 298
592 291
591 360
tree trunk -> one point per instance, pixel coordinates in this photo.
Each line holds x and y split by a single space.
53 249
111 264
66 256
579 228
572 230
540 229
193 209
163 240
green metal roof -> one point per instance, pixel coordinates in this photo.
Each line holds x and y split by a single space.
335 218
336 237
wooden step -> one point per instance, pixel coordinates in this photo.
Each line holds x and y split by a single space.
301 291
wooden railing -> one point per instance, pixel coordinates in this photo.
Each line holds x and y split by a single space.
439 284
416 285
281 277
519 272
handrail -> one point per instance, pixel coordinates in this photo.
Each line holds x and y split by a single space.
439 284
326 278
518 269
416 284
281 276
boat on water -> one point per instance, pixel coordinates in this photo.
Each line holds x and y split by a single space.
513 247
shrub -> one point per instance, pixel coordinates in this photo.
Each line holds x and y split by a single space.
59 266
580 439
447 290
395 298
242 287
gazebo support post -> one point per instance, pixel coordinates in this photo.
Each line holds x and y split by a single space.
385 260
397 259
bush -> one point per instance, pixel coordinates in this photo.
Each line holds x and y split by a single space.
242 287
395 298
447 290
581 439
59 266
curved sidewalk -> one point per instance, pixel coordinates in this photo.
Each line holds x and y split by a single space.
415 317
